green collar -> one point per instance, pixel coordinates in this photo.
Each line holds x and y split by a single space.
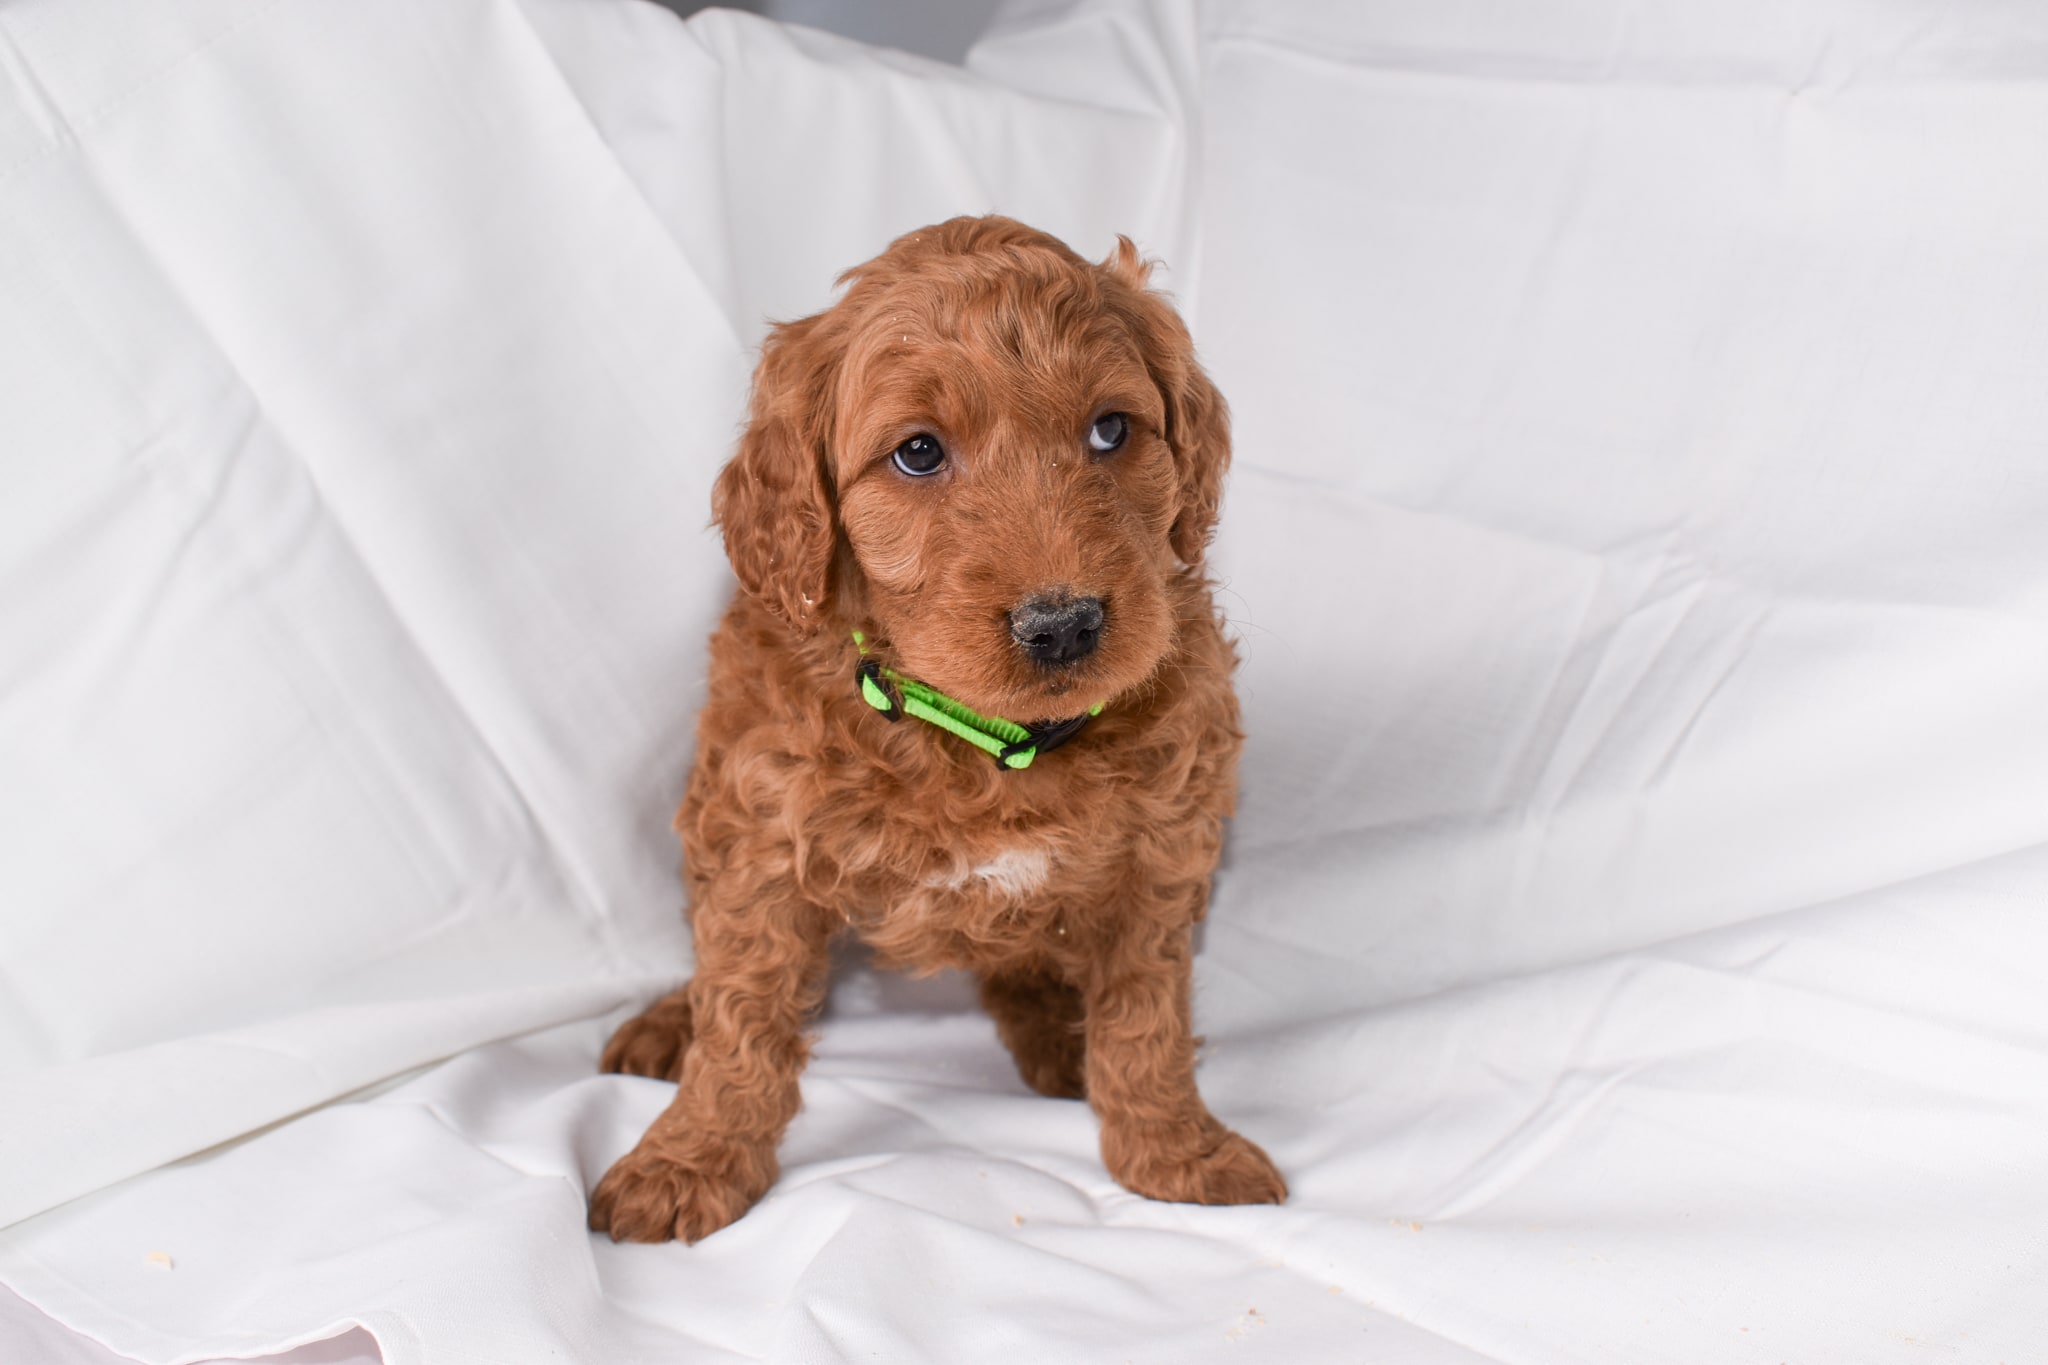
1010 744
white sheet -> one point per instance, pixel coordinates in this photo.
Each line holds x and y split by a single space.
1630 942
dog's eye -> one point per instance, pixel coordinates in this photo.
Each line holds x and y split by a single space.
919 456
1108 432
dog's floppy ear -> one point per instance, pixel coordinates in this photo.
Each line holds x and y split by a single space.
773 499
1197 419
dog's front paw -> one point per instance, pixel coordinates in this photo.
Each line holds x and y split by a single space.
653 1042
650 1197
1224 1168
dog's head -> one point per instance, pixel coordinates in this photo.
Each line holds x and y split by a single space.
996 454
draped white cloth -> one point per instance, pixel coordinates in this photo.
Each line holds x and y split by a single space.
1633 943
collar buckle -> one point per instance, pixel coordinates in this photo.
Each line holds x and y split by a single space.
876 692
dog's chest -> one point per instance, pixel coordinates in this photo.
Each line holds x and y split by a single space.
966 897
1010 874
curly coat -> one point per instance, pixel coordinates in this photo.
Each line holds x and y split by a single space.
1071 887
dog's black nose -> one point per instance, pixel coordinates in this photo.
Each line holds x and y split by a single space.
1057 630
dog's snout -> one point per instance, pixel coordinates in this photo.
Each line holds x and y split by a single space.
1057 630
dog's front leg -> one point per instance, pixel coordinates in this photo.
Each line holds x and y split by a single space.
1158 1138
761 966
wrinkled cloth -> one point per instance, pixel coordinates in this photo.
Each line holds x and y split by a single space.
1630 942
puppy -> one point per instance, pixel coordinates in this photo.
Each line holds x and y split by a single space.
977 488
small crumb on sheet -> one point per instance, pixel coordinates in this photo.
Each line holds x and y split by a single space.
159 1260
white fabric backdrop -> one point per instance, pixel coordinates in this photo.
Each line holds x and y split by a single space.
1632 941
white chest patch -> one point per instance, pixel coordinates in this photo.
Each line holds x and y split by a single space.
1015 873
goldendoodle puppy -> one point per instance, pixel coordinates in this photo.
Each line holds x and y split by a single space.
977 488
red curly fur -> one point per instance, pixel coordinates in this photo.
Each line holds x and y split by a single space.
1070 887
